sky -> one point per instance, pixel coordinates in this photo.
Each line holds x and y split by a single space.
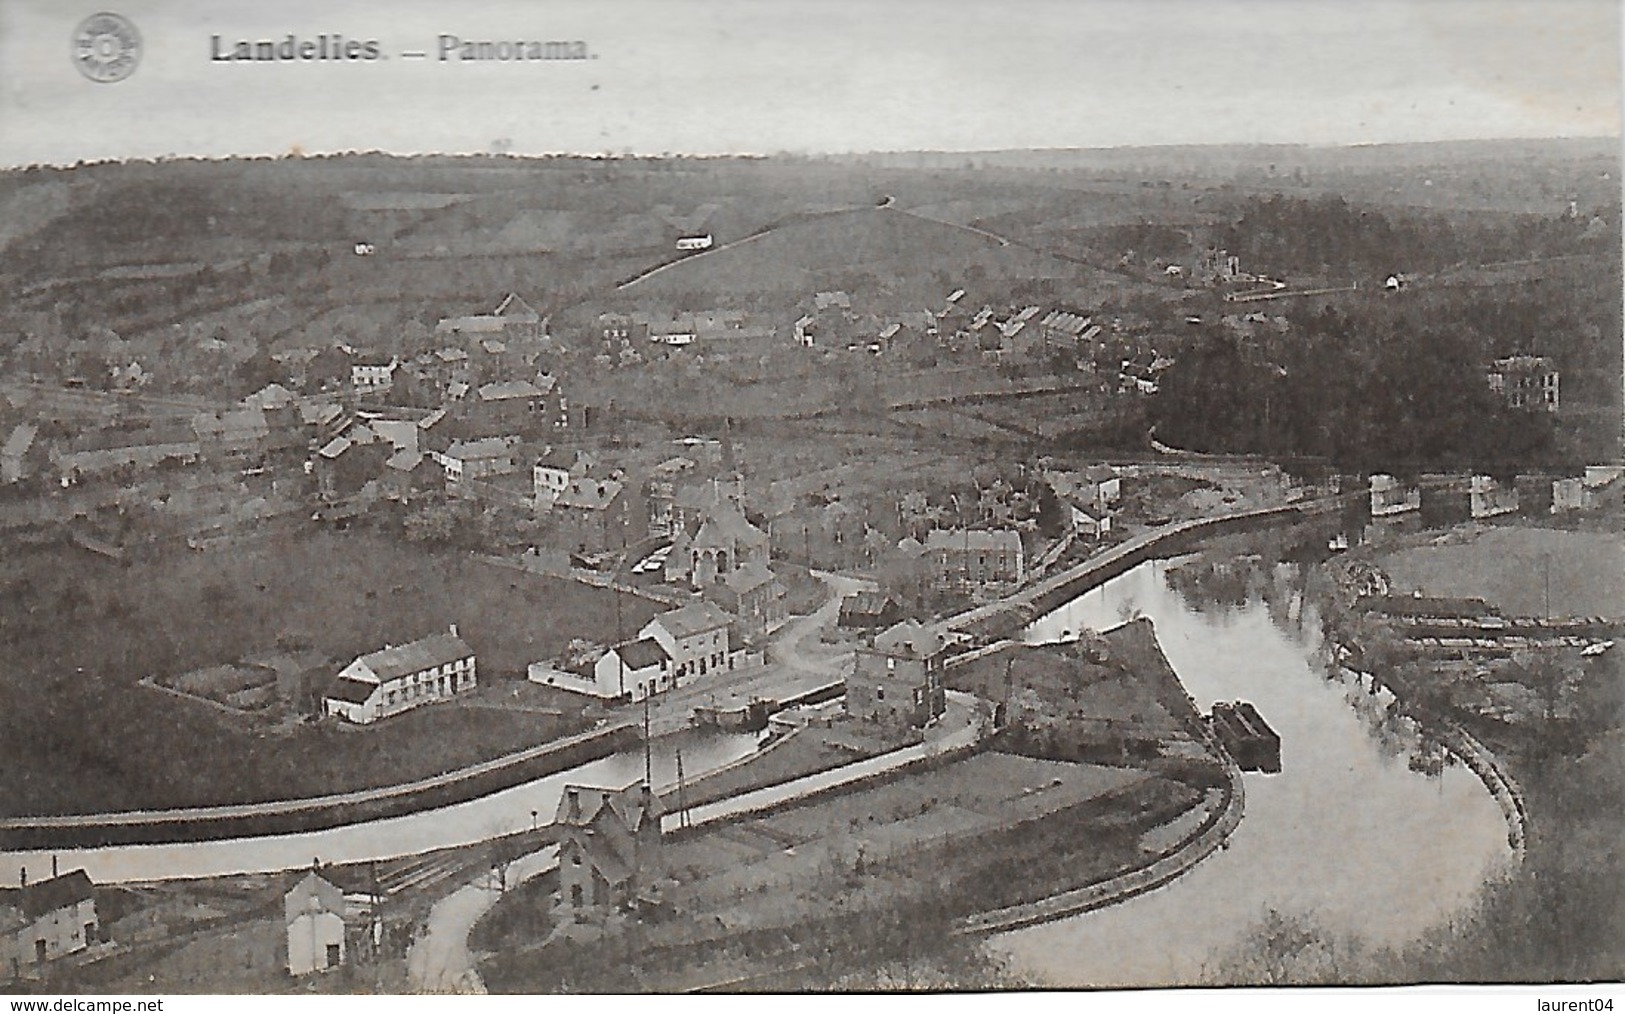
810 76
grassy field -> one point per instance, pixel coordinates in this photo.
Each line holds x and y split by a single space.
1514 567
77 734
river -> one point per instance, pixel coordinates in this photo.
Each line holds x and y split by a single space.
458 824
1368 830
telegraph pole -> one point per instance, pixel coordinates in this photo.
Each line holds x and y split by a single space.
682 804
648 750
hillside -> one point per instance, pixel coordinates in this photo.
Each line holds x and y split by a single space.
870 250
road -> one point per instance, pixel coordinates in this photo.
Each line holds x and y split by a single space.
795 665
440 961
961 726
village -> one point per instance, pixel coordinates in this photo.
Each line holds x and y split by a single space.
524 529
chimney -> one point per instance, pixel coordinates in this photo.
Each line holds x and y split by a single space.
454 630
575 802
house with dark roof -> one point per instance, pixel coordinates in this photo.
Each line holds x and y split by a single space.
553 471
401 677
868 610
233 433
46 920
634 669
609 849
897 680
516 406
346 463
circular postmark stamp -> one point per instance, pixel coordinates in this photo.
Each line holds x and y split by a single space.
106 47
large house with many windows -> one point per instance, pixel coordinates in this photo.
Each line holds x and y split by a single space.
695 637
402 677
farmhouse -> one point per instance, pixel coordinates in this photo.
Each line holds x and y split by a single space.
397 678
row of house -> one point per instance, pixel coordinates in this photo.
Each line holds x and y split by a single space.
624 332
671 650
1448 498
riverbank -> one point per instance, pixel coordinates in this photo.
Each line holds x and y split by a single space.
1009 614
199 824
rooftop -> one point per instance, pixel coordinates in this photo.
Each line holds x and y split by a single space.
509 389
642 653
694 618
470 450
46 896
403 659
961 541
911 639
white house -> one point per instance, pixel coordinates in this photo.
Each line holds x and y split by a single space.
631 669
1389 496
1087 521
373 376
400 677
45 920
637 668
1489 498
551 474
476 459
695 637
313 911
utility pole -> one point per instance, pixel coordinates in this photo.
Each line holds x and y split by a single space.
682 804
648 755
1546 571
620 655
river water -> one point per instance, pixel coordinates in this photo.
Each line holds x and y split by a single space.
458 824
1368 830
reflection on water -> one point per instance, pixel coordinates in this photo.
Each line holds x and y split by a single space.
1368 829
499 813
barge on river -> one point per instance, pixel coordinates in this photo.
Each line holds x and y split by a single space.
1248 738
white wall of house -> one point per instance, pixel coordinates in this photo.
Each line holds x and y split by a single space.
391 697
56 934
639 683
311 937
694 655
